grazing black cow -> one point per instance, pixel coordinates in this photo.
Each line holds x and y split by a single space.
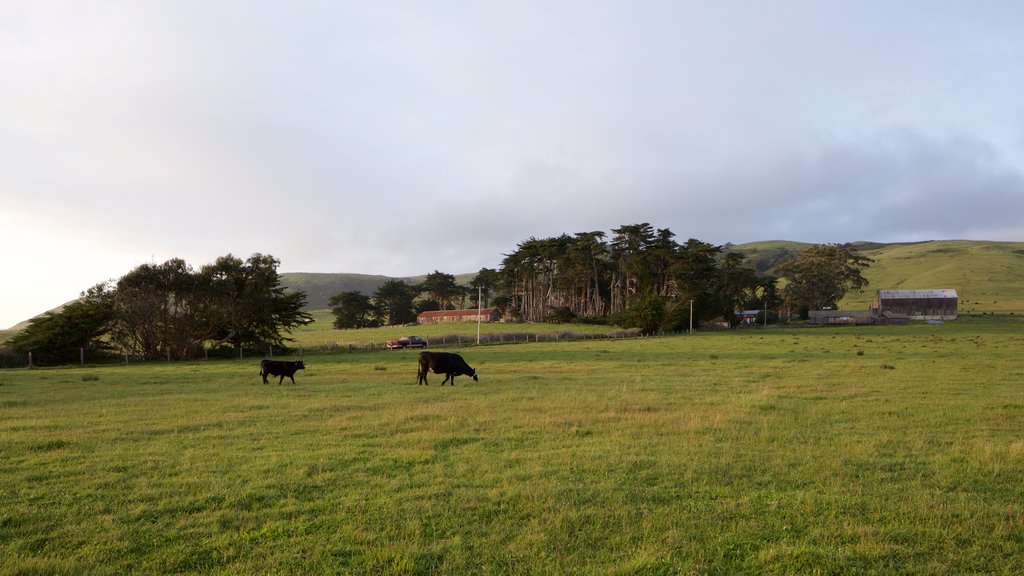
280 368
451 365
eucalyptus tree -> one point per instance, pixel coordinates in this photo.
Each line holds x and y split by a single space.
441 288
393 302
589 268
693 275
483 284
819 276
631 273
520 272
352 309
552 275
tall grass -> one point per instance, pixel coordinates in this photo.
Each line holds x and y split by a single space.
768 452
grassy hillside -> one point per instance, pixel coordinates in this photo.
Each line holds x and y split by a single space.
320 287
988 276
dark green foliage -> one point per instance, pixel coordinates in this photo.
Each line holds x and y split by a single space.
64 336
170 310
393 303
485 282
250 301
442 288
561 315
820 276
577 276
352 310
648 313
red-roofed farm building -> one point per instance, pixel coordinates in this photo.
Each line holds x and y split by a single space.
441 316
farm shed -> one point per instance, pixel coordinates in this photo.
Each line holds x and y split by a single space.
470 315
919 304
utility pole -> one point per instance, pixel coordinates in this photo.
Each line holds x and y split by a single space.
691 317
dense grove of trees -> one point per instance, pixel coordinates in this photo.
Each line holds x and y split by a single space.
639 277
170 310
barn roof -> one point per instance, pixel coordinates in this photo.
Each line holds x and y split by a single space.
916 294
454 313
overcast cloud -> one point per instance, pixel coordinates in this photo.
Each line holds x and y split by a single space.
398 138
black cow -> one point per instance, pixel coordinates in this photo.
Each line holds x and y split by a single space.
280 368
451 365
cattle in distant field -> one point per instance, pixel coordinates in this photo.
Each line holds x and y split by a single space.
280 368
447 363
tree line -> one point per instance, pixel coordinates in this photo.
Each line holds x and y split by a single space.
638 277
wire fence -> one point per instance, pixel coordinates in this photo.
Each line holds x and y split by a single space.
10 359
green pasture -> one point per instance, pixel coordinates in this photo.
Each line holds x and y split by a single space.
322 332
774 451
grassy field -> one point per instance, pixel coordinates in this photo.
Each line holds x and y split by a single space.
829 451
322 333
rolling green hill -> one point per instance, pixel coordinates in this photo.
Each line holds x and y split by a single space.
320 287
988 276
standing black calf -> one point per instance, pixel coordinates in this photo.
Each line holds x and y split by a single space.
280 368
451 365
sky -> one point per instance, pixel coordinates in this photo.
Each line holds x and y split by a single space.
402 137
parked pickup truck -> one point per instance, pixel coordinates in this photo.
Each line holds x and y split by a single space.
406 342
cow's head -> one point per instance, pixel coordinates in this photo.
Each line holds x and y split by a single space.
475 379
299 365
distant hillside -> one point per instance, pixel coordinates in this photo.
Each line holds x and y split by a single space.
988 276
320 287
765 256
